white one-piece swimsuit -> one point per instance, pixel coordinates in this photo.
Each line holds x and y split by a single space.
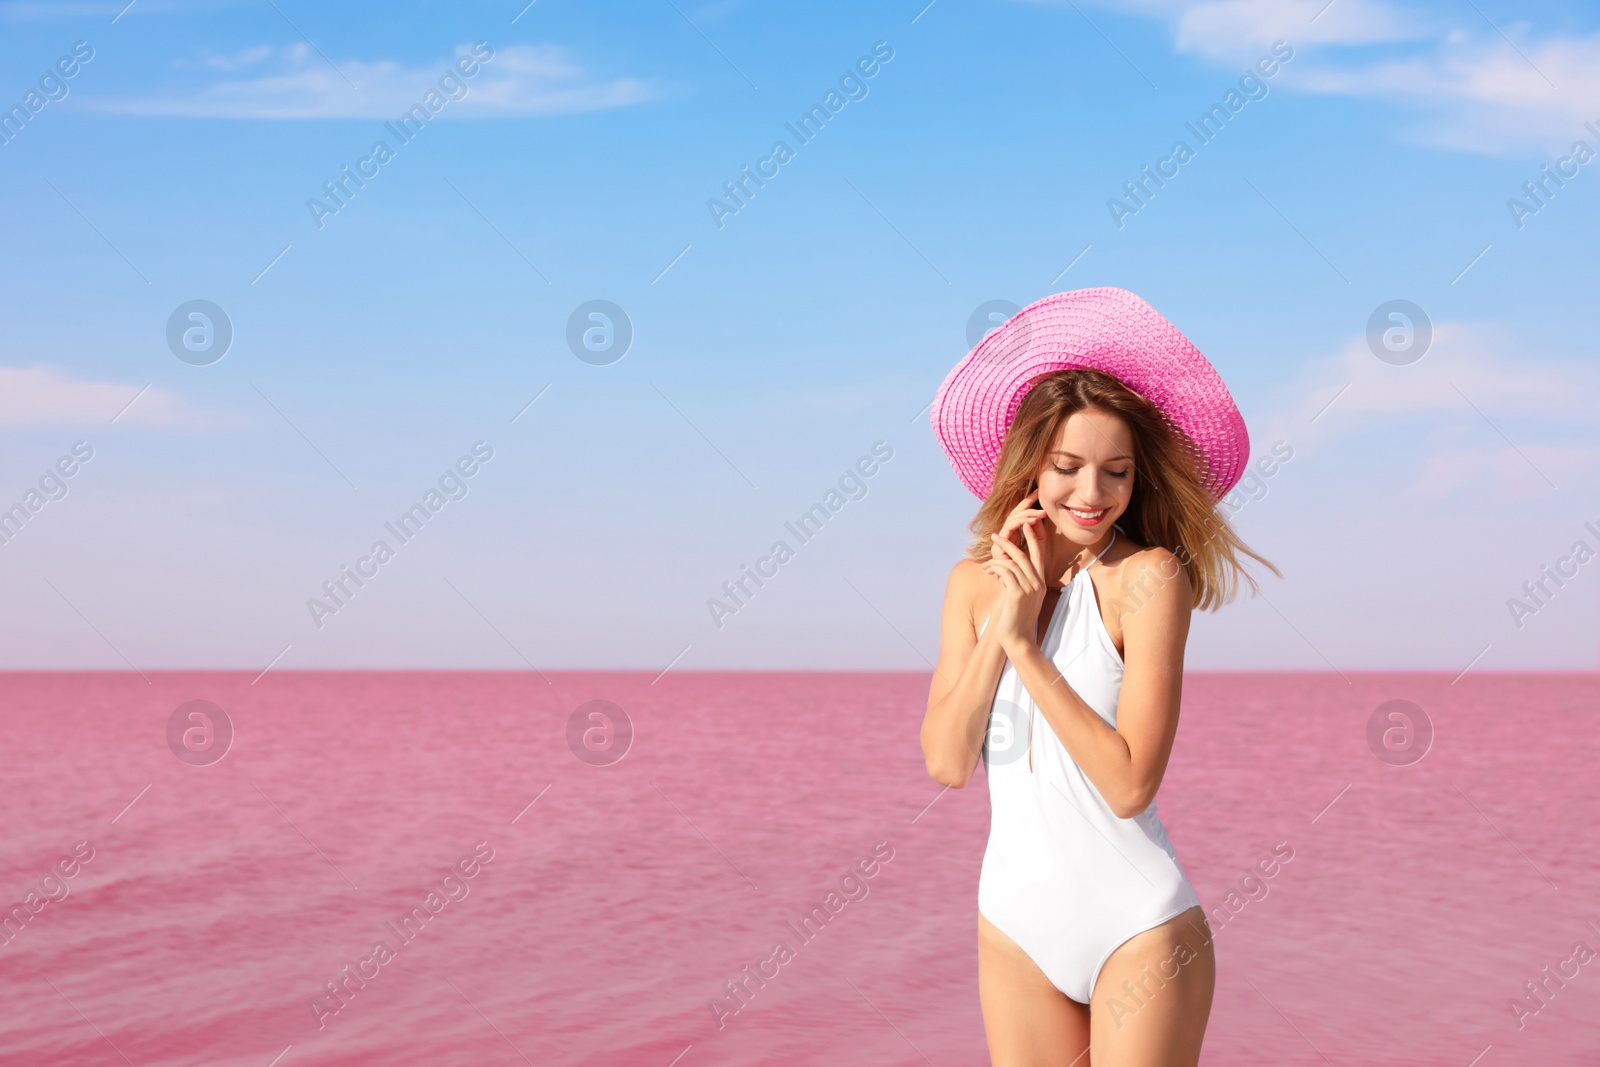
1063 876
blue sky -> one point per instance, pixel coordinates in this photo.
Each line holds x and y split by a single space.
370 352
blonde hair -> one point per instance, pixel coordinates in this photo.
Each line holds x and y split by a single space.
1170 505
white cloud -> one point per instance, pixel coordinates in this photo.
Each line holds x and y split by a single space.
1468 367
1504 475
245 57
517 80
1475 86
39 396
1238 29
1534 415
1483 95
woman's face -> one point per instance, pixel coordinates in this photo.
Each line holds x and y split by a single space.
1087 477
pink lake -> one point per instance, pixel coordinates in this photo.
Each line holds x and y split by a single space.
620 899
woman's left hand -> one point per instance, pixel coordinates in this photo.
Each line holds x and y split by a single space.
1021 576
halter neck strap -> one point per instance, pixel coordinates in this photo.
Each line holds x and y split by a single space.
1085 568
1104 550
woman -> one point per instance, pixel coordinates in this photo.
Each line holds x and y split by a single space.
1100 441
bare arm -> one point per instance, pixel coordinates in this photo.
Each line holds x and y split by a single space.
964 680
1126 764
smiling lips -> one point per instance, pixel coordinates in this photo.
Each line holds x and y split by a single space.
1087 518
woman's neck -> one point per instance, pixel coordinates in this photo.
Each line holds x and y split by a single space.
1063 558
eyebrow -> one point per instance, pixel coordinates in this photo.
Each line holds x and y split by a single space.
1074 455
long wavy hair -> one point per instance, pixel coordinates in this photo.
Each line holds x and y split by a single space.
1170 505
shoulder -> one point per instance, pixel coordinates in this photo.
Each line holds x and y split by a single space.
966 570
1151 575
969 587
1156 558
966 578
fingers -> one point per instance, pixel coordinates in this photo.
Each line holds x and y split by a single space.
1027 504
1000 564
1027 508
1004 569
1035 549
1014 578
1024 564
1019 518
1009 579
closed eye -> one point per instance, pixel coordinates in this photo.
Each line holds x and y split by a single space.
1074 470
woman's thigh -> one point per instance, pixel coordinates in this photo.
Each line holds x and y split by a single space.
1153 996
1029 1022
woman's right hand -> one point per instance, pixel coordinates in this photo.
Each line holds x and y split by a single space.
1026 513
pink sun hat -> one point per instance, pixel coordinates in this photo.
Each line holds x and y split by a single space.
1104 329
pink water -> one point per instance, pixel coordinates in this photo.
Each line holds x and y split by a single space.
615 908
